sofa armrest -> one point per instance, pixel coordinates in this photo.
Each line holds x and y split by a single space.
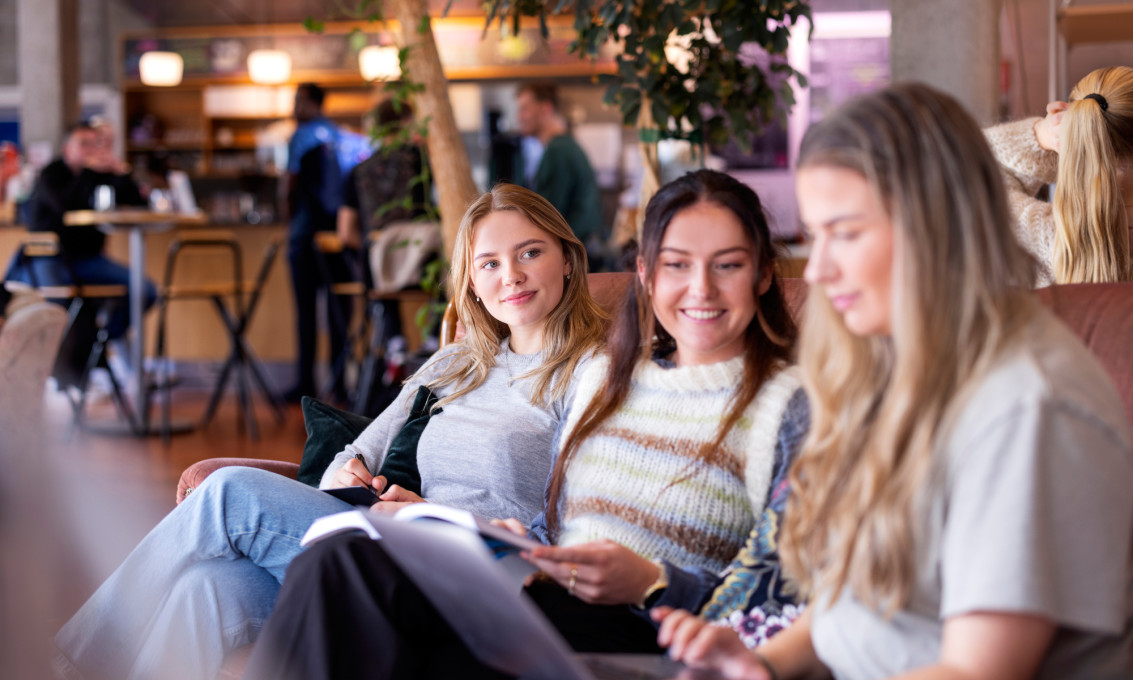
193 475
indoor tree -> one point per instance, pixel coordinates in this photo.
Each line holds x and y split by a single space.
707 71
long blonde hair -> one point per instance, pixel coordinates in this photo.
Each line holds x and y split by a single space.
1091 236
573 328
880 405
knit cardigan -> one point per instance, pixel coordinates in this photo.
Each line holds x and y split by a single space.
638 480
1026 168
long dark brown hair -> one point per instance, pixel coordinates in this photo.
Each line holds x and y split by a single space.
636 337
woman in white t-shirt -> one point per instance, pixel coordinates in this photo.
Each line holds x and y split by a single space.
962 505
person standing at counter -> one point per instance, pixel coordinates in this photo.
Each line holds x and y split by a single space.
564 176
313 187
70 183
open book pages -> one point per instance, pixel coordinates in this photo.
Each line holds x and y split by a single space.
502 544
336 524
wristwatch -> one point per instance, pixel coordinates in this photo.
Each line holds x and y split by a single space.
655 589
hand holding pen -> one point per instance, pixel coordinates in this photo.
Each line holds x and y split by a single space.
355 473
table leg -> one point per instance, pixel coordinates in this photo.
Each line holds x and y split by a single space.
137 325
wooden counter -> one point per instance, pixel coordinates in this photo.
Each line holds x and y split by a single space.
195 331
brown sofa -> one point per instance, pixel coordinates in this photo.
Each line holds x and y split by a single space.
1100 313
608 290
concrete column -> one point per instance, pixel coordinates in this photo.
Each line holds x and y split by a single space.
48 53
953 46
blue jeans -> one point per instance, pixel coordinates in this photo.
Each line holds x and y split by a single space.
199 585
97 270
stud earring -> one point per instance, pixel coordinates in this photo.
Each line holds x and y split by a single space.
568 277
477 299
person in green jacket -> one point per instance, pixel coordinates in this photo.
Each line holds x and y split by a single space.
564 175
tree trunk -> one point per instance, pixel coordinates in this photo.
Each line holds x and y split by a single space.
447 154
648 134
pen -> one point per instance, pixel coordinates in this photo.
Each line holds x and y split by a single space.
358 457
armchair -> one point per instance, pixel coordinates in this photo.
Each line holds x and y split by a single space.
608 290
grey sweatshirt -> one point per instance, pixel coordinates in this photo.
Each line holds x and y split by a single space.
488 452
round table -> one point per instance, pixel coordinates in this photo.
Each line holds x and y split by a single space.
136 222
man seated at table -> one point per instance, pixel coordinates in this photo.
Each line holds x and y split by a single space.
70 183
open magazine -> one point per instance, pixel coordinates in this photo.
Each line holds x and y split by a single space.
461 564
503 545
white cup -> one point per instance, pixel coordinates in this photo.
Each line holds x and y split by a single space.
103 198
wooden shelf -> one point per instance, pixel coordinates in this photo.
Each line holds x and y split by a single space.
1079 25
1096 23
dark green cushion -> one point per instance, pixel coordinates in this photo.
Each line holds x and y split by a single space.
329 430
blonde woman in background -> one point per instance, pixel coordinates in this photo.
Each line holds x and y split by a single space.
961 506
1085 145
203 581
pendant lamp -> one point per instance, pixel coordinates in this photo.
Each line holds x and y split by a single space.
161 69
269 67
379 62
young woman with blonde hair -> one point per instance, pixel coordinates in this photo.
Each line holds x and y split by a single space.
1086 146
675 444
961 506
203 581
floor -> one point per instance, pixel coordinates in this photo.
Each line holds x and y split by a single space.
125 484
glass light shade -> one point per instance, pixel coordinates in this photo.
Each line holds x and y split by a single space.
269 67
161 69
379 62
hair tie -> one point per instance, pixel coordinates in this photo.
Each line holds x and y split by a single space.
1099 99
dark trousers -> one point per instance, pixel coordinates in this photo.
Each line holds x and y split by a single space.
306 280
96 270
347 610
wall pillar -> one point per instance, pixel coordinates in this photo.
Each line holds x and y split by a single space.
48 53
953 46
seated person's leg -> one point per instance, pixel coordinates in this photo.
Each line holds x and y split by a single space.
347 610
101 270
42 271
239 514
216 606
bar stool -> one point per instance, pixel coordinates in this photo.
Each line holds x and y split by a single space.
329 246
234 300
76 297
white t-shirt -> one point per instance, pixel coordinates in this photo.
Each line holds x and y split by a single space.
1031 512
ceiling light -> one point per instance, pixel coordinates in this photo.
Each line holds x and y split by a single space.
379 62
269 67
161 69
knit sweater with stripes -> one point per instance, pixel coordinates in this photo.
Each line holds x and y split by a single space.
638 479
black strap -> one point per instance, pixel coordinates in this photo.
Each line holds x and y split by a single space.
400 464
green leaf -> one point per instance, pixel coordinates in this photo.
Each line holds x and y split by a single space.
357 39
313 25
423 27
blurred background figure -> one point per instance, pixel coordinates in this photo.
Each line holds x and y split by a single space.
313 187
70 183
564 175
